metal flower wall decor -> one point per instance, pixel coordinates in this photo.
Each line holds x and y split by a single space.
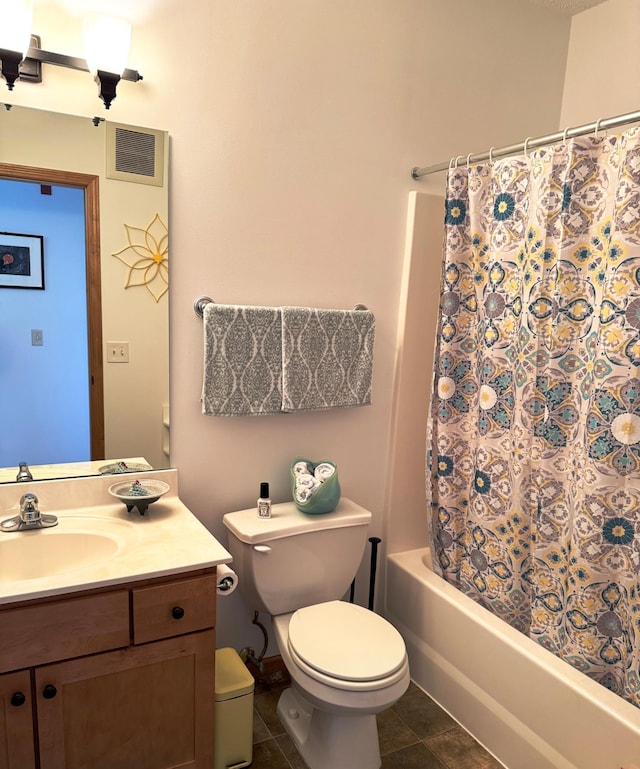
147 257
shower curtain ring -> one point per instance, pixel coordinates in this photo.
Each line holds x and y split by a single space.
564 136
451 162
459 157
468 160
526 143
491 154
598 121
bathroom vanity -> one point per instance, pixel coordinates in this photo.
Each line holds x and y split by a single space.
109 664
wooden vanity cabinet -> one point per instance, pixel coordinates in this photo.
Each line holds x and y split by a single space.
17 749
142 700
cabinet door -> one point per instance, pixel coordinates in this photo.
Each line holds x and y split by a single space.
16 722
148 707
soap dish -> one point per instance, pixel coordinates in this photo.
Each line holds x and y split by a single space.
139 493
117 468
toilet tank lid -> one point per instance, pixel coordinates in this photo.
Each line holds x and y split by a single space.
286 520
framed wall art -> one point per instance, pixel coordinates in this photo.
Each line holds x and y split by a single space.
21 261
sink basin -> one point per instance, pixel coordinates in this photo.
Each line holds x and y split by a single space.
77 542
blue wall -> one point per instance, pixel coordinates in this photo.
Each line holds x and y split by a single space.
50 383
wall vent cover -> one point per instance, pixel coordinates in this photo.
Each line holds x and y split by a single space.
135 154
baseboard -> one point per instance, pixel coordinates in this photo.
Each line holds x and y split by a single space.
273 673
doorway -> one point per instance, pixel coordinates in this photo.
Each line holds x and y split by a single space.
88 187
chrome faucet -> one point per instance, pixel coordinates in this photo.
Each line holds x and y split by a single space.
29 517
29 512
24 474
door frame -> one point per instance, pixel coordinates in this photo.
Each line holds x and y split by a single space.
89 183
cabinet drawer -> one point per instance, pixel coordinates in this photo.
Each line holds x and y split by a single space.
35 635
167 610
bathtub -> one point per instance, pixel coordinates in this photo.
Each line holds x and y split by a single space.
527 707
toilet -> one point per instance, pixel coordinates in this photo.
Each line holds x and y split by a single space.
346 663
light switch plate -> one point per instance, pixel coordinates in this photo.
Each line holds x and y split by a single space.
117 352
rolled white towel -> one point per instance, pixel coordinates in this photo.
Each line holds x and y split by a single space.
304 480
305 486
302 468
302 493
324 471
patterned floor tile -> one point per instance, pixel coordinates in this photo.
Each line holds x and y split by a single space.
286 745
266 704
267 755
394 733
260 731
414 757
422 714
458 750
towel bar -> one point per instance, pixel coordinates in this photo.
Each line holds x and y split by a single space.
202 301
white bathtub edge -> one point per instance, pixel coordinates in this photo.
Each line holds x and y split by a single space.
507 739
490 706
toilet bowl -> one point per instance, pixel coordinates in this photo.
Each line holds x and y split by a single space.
346 663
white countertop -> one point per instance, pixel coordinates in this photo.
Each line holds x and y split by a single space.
67 469
167 540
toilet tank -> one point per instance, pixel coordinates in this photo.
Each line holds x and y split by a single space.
294 559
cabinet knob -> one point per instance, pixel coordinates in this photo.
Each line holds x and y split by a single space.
17 699
177 612
49 692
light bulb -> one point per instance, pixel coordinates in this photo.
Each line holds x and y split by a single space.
106 43
15 26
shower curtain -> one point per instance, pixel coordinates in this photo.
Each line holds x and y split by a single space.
533 466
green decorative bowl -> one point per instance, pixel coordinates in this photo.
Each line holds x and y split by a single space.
314 485
140 493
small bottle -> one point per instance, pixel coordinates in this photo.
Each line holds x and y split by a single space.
264 503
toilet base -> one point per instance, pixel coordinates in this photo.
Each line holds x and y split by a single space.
329 740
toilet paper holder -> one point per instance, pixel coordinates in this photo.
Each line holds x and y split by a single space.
225 584
227 579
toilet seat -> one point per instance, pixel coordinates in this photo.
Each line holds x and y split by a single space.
346 646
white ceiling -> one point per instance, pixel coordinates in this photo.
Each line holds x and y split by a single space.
567 7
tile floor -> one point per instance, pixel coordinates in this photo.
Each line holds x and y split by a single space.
414 734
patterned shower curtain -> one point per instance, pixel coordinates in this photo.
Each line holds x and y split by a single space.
533 468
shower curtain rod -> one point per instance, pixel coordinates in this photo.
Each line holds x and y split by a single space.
530 143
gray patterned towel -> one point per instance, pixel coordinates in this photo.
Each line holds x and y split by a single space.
242 360
327 358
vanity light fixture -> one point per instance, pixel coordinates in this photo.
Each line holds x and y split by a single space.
15 34
106 42
106 46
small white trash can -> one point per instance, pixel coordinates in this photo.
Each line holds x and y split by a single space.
234 711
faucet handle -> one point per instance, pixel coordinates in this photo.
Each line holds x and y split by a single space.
29 511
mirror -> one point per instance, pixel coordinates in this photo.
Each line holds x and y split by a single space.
118 177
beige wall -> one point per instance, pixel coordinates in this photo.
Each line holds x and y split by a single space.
294 126
419 299
603 64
